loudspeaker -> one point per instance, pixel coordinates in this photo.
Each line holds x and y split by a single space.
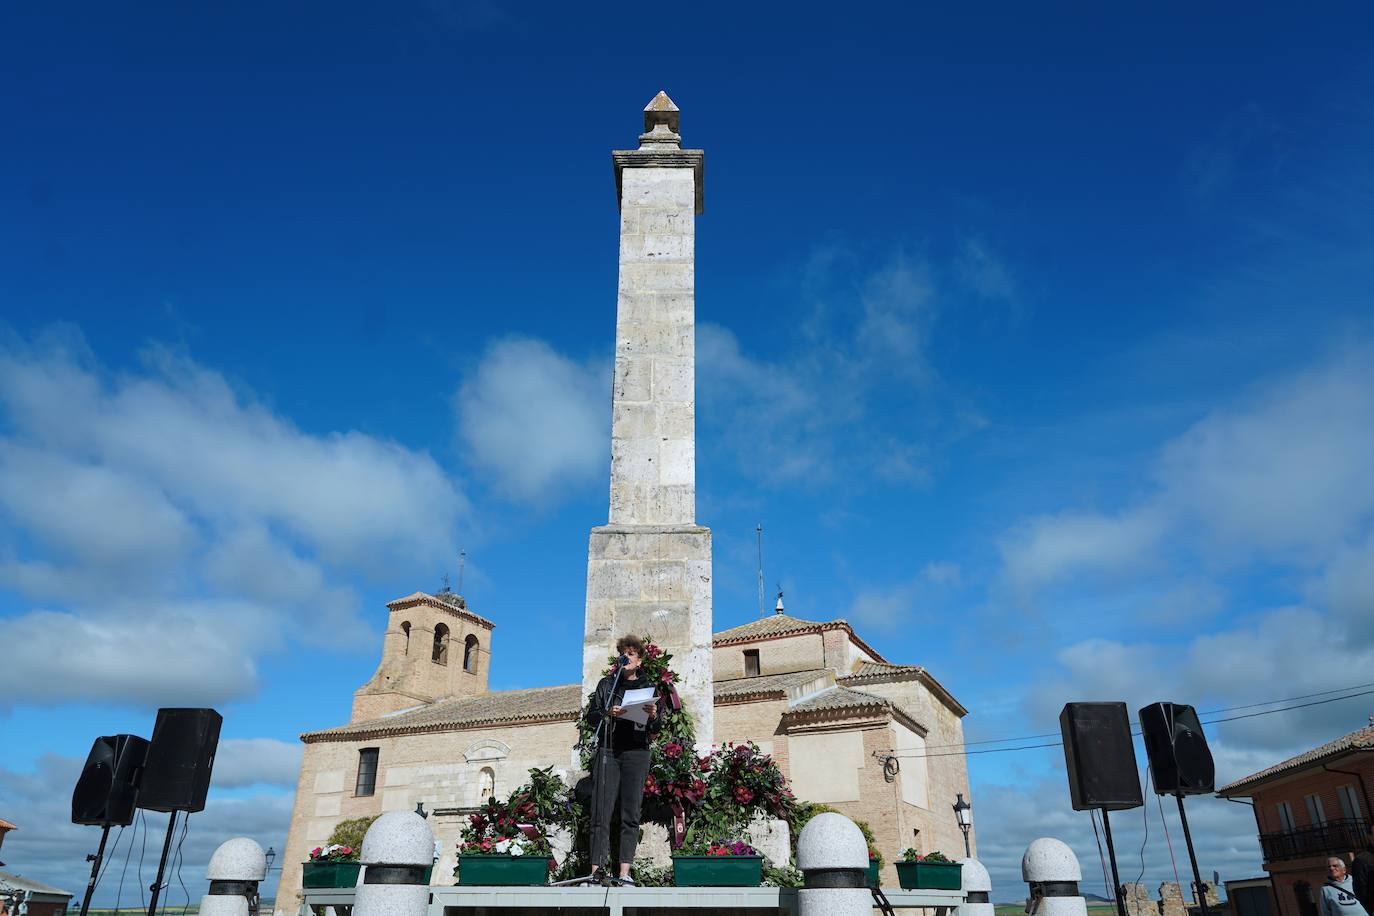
1180 761
1100 757
180 758
107 789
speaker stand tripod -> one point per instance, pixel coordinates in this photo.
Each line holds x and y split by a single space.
156 887
1111 855
95 868
1199 892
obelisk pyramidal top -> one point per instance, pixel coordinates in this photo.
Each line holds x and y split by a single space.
649 570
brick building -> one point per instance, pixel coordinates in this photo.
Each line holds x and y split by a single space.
1308 808
846 725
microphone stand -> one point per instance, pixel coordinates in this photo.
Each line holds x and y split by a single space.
603 733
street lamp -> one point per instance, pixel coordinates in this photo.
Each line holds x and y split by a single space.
963 814
271 855
420 810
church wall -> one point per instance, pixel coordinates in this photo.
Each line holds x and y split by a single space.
757 722
802 652
946 767
441 769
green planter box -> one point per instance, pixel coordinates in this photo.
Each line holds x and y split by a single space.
503 871
872 872
717 871
330 874
930 876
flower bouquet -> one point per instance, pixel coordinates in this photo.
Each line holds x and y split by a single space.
331 865
932 871
501 846
717 863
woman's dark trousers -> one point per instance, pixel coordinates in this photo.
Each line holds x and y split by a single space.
620 776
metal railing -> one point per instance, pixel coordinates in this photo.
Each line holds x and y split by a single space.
1338 836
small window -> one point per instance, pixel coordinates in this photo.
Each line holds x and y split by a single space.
367 772
1286 822
1316 814
1350 802
470 654
440 654
405 628
751 662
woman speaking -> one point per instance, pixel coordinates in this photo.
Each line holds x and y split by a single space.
622 759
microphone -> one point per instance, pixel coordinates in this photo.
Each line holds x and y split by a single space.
623 660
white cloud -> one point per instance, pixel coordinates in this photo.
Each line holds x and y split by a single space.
164 514
1283 476
534 420
241 762
1049 548
885 609
192 654
984 273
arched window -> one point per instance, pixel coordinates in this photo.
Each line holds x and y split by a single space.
470 654
440 654
486 786
405 628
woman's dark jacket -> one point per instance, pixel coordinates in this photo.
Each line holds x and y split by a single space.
624 735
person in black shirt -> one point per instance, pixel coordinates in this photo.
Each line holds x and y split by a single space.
622 761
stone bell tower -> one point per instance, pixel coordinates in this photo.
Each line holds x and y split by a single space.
649 570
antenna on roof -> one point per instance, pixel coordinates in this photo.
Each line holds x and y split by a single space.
759 530
444 588
462 565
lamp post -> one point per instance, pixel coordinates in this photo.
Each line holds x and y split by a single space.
270 855
963 814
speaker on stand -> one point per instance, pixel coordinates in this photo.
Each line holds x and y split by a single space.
176 778
106 793
1099 755
1180 764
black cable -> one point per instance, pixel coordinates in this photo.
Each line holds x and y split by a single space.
1145 813
1106 882
109 859
128 854
177 862
142 900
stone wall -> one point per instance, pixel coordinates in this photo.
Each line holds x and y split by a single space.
443 770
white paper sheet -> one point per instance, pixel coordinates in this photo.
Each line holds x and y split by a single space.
633 704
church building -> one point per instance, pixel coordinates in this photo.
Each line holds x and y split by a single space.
878 740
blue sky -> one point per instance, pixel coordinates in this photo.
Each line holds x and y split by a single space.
1037 339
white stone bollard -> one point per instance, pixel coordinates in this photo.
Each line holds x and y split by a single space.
833 855
1051 869
397 849
977 887
234 872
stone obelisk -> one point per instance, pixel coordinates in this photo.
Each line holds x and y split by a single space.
649 570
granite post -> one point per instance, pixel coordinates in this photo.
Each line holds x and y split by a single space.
649 569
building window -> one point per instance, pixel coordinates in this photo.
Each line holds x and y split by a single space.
751 662
440 654
470 654
405 628
367 772
1316 814
1350 802
1286 822
486 786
